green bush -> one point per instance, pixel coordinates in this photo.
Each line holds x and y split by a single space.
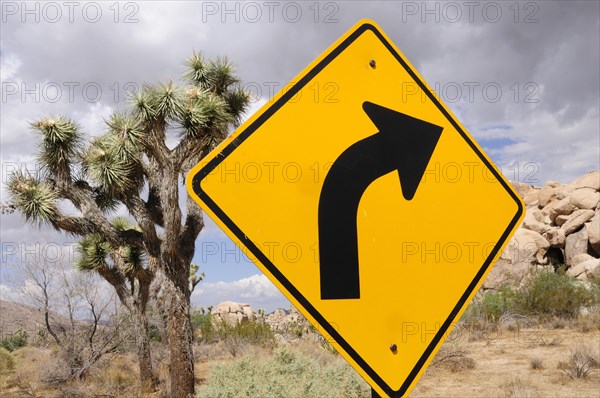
491 306
7 362
17 340
203 325
288 373
242 334
545 294
552 294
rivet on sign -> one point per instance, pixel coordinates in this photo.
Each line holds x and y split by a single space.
394 347
372 64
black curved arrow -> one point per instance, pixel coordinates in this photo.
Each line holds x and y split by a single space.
403 143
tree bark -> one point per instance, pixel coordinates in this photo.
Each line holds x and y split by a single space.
147 378
180 337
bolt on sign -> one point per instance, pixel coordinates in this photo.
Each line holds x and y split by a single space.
378 248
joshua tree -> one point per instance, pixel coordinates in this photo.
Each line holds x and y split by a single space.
132 166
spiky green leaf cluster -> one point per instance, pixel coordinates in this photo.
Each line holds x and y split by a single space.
218 78
203 112
128 132
93 253
237 100
35 198
132 258
106 168
112 160
158 103
195 277
104 200
60 143
142 105
121 223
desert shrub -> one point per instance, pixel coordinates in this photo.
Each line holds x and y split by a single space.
16 340
588 322
288 373
491 306
241 334
203 325
453 358
7 362
536 363
552 294
581 362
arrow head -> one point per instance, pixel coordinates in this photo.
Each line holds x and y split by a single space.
408 143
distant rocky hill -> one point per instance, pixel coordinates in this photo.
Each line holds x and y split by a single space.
15 317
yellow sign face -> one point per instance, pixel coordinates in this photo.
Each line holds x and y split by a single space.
362 198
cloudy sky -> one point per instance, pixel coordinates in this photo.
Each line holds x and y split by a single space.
523 77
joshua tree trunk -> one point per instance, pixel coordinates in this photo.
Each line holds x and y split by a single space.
180 338
147 379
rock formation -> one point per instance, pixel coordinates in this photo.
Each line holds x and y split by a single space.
561 227
232 313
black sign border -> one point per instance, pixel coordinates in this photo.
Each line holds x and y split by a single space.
237 141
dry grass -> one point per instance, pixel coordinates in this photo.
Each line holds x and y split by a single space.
589 322
453 358
536 363
516 388
581 362
503 353
116 376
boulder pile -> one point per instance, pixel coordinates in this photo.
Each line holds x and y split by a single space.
561 228
232 313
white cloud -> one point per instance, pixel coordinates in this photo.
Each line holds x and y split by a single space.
9 65
553 150
92 121
8 293
256 290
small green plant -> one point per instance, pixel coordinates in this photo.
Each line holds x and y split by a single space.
552 294
7 362
493 305
16 340
238 336
288 373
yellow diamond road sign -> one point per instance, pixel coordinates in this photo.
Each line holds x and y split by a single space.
364 200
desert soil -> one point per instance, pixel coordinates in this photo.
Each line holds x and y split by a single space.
503 367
